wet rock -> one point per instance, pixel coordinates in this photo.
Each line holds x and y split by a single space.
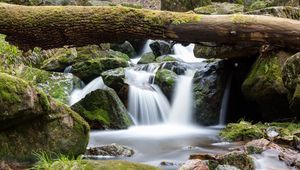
160 48
177 67
220 8
203 156
226 167
31 122
166 163
182 6
208 87
166 80
91 69
264 86
194 164
125 48
258 146
272 132
114 150
147 58
103 109
167 58
251 5
238 159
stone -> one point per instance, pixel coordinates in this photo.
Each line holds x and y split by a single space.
238 159
226 167
103 109
113 150
279 11
147 58
194 164
220 8
182 6
160 48
166 80
125 48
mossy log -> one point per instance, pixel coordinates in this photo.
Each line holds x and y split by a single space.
55 26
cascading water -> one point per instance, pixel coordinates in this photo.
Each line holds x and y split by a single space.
146 49
186 54
79 94
181 111
225 100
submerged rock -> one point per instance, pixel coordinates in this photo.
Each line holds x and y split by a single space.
103 109
114 150
31 122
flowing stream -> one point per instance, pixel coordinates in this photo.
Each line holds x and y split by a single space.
164 131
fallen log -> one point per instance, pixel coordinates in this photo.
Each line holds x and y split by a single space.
56 26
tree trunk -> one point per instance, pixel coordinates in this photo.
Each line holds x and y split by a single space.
56 26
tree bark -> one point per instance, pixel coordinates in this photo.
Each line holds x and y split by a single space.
56 26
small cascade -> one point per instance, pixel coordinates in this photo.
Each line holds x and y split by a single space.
146 49
225 101
79 94
181 111
147 104
185 54
68 69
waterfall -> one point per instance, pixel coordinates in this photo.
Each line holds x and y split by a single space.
79 94
147 104
68 69
146 49
185 54
181 111
225 100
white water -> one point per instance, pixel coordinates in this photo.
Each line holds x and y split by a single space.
186 54
79 94
225 101
181 112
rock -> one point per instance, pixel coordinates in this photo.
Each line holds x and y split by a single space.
258 146
238 159
177 67
210 51
167 58
220 8
264 86
272 132
103 109
57 85
147 58
114 150
226 167
91 69
194 164
149 4
182 6
31 122
208 87
166 80
125 48
160 48
203 156
279 11
242 131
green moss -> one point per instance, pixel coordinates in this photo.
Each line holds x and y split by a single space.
241 131
242 19
165 59
147 58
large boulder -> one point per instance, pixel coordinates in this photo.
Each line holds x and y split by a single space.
91 69
113 150
31 122
208 87
166 80
125 48
103 109
264 86
57 85
147 58
182 5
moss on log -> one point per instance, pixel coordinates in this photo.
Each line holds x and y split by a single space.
55 26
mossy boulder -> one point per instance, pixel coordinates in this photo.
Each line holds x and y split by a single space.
61 58
182 5
166 80
91 69
251 5
264 86
147 58
242 131
115 79
166 58
57 85
238 159
220 8
32 122
103 109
